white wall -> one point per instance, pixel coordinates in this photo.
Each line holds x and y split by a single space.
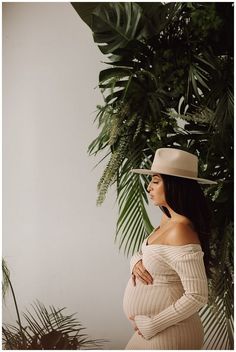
58 244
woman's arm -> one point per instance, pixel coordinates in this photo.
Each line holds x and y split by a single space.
191 270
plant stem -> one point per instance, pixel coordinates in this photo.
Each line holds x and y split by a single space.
17 311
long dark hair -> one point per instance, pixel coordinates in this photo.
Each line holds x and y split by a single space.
186 197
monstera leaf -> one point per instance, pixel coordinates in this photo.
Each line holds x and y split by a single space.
85 10
158 15
116 24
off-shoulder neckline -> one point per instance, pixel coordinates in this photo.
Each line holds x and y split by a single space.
167 245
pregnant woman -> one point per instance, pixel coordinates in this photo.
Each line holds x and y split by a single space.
168 283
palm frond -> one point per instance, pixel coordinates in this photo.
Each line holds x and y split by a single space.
48 329
217 326
5 277
133 222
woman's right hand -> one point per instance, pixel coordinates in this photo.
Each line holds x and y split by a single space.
139 272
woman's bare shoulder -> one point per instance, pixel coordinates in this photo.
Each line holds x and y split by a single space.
182 233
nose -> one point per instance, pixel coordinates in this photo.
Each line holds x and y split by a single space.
149 187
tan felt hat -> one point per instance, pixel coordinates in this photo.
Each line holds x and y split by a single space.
175 162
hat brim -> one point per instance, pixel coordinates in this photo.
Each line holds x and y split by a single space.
151 172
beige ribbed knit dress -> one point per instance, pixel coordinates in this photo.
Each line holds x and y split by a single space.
166 312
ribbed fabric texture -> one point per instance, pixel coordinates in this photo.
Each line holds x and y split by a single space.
167 309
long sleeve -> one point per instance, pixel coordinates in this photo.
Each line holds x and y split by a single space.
134 260
191 270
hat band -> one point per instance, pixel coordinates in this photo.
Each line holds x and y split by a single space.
174 170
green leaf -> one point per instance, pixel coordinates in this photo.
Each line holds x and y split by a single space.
85 10
115 25
118 72
50 329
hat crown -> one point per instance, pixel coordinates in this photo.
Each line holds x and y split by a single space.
176 159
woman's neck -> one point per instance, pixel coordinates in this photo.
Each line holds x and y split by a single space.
174 218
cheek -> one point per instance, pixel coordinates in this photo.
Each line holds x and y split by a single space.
160 191
159 188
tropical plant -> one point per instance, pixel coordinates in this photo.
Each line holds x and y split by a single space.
5 275
170 84
46 329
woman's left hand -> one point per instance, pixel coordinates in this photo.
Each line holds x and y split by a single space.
135 326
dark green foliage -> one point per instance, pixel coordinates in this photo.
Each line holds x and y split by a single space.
47 330
5 276
170 62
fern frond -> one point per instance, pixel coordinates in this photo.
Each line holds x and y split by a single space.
111 169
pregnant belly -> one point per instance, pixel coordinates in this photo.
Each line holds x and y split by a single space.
149 299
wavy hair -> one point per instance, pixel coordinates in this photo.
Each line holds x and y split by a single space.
186 197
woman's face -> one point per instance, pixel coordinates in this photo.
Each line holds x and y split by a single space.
156 190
